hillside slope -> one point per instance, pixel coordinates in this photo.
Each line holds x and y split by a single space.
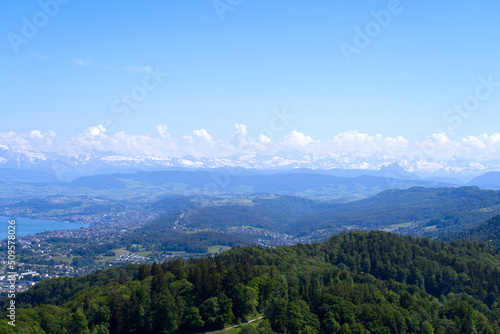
353 283
489 232
423 211
430 211
489 180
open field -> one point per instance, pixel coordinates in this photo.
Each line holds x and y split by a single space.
408 224
217 249
63 258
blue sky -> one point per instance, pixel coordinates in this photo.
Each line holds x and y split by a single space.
263 55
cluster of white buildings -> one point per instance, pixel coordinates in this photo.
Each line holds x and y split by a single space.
132 258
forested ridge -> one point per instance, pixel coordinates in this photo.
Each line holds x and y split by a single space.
435 211
489 232
160 235
359 282
447 209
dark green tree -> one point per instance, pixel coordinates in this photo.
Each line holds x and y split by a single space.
193 318
143 272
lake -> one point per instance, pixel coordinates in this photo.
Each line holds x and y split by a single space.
25 226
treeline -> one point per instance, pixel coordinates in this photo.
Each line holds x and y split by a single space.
359 282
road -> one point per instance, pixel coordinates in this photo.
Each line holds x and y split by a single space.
177 223
226 329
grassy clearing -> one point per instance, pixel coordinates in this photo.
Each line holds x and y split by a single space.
63 258
105 259
145 253
117 251
217 249
120 251
408 224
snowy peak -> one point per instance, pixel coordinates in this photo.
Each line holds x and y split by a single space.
394 170
98 162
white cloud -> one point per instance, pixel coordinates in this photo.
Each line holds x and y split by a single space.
263 139
239 139
364 145
95 131
202 135
440 138
36 134
33 141
162 130
297 139
199 137
351 148
483 147
437 147
97 138
202 144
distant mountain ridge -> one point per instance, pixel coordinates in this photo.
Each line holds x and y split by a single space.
220 182
46 166
489 180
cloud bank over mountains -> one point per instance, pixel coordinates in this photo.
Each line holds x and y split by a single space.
351 149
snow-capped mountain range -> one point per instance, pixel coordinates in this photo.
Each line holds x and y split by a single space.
48 166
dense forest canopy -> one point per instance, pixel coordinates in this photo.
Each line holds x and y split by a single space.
359 282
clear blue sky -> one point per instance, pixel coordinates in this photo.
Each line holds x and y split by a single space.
263 55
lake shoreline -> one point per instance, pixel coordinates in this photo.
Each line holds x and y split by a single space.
29 226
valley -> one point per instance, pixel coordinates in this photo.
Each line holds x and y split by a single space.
154 226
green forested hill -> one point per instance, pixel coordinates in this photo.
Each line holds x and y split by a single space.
445 209
427 211
160 235
274 214
360 282
489 232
